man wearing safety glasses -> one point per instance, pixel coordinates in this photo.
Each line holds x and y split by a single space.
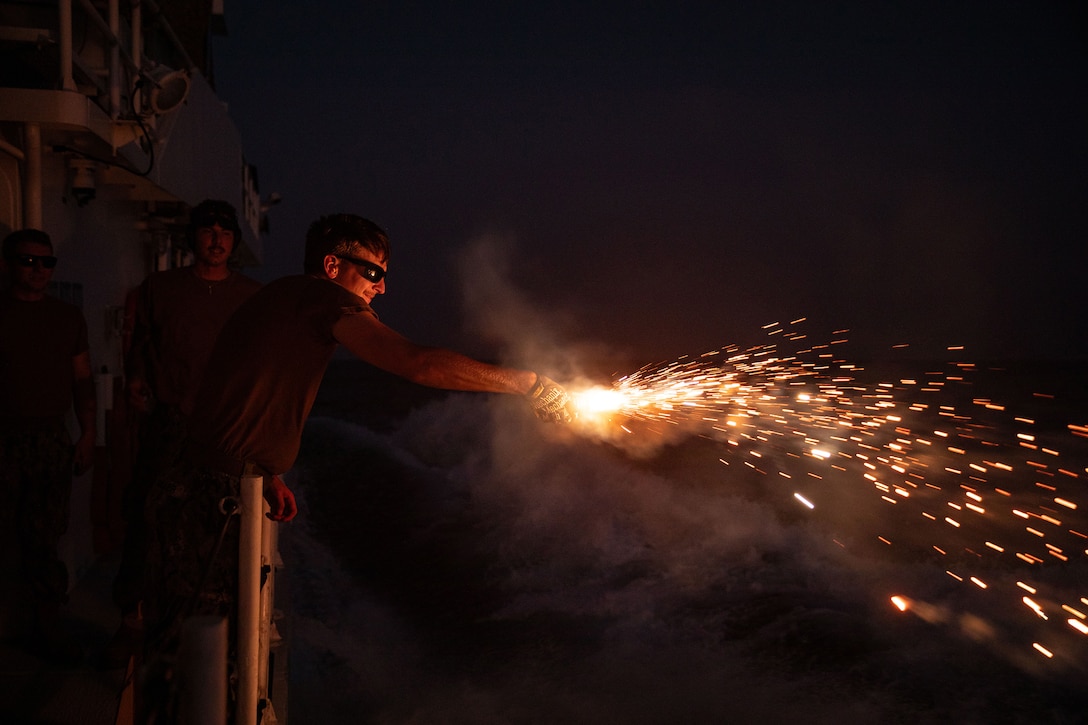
259 386
45 371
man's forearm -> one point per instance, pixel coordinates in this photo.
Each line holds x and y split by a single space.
441 368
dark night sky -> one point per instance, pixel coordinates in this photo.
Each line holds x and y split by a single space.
668 177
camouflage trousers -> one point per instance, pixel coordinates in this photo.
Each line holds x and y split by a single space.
191 570
162 434
36 474
192 554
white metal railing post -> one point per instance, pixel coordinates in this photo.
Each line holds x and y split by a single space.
268 594
249 598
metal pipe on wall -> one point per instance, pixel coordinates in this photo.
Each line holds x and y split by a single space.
137 22
67 82
115 60
32 186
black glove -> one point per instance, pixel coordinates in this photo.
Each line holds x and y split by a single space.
550 401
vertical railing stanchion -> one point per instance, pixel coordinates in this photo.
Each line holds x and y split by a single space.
249 598
268 594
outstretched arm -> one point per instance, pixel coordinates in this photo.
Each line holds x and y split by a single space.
370 340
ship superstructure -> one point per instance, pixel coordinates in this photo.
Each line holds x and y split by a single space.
110 131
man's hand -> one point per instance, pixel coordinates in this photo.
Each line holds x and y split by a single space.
550 401
280 499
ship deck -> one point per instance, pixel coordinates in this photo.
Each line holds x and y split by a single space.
33 690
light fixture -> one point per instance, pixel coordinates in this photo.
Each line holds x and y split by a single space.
168 88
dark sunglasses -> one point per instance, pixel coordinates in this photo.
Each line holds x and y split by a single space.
371 271
29 260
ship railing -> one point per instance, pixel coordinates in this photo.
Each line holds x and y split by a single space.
202 657
108 59
257 563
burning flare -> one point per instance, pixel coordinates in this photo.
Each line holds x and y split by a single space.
966 478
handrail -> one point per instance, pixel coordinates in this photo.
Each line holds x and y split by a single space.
103 25
132 61
204 673
13 151
160 19
117 51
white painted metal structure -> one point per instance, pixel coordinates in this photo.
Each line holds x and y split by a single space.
256 577
109 132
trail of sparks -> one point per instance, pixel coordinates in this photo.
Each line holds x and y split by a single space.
964 479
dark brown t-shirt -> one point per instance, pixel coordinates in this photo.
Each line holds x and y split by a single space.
38 341
266 367
178 317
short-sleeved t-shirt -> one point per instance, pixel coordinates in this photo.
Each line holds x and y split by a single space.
38 341
178 317
266 368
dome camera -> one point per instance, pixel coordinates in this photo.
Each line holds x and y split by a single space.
83 180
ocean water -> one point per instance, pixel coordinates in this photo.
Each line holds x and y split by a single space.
456 561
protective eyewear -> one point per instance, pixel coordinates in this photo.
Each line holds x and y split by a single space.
29 260
209 231
372 272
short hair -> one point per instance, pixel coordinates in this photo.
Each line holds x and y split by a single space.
208 213
34 236
342 234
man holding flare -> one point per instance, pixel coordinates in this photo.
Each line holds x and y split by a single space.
257 391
